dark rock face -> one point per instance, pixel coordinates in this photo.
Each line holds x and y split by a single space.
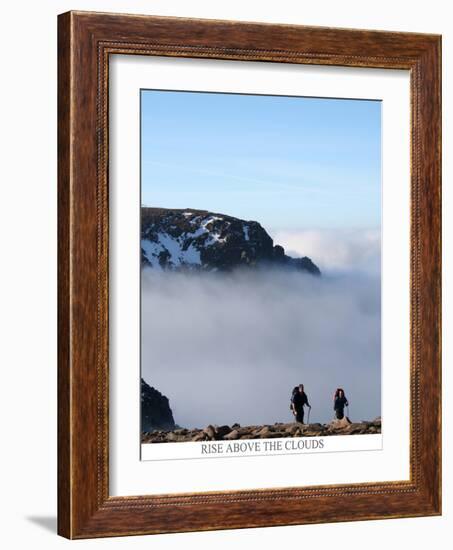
201 240
156 412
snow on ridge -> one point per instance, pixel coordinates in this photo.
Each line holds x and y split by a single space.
172 245
151 251
179 253
213 237
246 232
192 255
203 230
198 232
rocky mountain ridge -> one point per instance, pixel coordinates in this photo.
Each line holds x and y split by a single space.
189 239
277 430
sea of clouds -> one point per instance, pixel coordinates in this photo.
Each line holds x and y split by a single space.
228 348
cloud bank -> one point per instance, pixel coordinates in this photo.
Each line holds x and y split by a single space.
342 250
230 348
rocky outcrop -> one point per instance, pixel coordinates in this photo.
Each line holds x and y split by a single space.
156 411
173 239
278 430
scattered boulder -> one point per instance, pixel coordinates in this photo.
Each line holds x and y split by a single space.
276 435
210 431
357 428
234 434
221 431
292 429
264 432
339 423
200 436
315 427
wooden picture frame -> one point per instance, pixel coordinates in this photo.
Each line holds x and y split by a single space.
85 42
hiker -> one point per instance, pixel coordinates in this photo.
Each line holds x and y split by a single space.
293 393
339 403
298 400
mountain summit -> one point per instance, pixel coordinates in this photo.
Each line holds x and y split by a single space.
174 239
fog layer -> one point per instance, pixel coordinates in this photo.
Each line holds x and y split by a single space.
342 250
230 348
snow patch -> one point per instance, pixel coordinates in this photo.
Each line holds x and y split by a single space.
174 247
213 236
152 251
199 232
203 230
182 250
191 255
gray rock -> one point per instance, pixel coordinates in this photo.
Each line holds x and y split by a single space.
292 429
339 424
200 436
221 431
279 435
264 432
316 426
210 431
234 434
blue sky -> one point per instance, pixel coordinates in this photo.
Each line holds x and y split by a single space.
288 162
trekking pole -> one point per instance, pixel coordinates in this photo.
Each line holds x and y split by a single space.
308 416
347 411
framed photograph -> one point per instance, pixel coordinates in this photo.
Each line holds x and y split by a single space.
249 275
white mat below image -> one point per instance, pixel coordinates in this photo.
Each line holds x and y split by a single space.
261 447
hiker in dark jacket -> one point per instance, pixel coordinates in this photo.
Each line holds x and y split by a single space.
339 403
298 400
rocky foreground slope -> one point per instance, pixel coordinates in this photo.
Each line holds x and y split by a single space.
199 240
278 430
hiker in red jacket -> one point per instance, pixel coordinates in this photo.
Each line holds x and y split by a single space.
339 403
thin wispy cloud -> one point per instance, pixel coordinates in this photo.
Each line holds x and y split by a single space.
278 183
323 155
